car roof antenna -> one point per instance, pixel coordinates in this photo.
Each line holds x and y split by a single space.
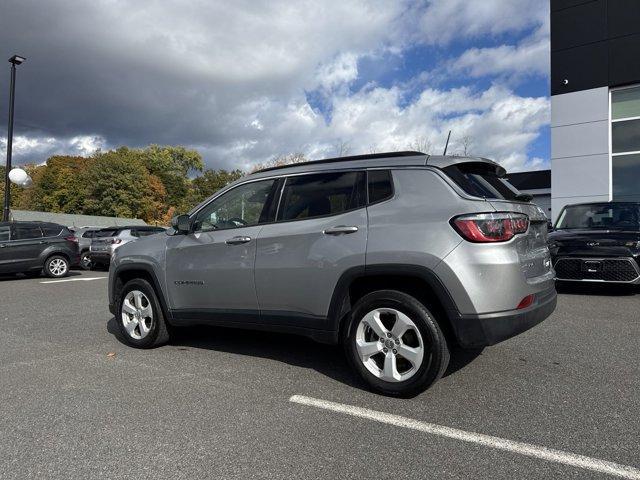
446 144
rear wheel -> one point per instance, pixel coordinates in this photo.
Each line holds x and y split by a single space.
56 266
395 344
140 317
85 261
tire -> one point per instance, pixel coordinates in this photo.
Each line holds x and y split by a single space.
423 335
85 261
148 329
56 266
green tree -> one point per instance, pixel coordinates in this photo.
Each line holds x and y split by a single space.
209 183
60 185
172 166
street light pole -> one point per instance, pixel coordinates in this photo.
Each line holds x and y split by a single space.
15 60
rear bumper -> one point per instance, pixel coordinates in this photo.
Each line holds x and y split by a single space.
474 331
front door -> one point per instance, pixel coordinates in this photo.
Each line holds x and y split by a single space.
24 248
210 270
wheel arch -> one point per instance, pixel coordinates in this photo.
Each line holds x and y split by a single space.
417 281
130 271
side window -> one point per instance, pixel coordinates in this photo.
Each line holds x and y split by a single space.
380 185
88 234
309 196
242 206
51 231
26 233
4 234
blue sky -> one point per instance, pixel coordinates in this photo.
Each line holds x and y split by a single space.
247 81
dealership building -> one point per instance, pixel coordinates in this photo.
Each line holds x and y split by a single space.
595 101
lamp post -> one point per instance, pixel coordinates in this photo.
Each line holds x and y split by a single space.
15 60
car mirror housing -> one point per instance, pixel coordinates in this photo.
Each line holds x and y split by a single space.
181 224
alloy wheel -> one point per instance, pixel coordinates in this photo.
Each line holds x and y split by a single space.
137 314
389 344
58 267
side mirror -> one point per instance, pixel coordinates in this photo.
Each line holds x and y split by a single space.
181 224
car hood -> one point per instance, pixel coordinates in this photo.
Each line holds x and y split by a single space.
595 242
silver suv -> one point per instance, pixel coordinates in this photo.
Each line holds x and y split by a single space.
399 257
107 240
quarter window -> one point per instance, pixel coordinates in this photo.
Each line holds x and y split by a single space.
380 186
625 143
243 206
51 231
318 195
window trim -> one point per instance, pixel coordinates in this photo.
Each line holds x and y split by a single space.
611 122
13 230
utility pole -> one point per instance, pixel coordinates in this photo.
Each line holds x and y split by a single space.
15 60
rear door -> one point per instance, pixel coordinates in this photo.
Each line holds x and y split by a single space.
5 256
320 232
25 246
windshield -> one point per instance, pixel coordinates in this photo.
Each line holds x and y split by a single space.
613 216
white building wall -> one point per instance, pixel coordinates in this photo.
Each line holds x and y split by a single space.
580 159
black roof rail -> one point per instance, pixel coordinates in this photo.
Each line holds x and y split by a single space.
370 156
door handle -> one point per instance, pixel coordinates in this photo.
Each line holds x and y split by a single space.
340 230
43 242
238 240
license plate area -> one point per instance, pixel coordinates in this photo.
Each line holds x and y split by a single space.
592 266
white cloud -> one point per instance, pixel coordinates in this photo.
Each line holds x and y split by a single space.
44 147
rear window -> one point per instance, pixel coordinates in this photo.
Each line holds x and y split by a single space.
106 233
480 181
89 234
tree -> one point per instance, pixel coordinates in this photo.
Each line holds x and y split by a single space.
280 161
210 182
60 185
172 166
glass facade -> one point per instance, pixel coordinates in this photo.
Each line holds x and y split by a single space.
625 144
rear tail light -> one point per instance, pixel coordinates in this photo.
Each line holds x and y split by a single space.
71 238
116 241
525 302
490 227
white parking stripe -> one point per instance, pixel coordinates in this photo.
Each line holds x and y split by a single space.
543 453
83 279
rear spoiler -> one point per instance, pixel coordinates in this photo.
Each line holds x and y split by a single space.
443 161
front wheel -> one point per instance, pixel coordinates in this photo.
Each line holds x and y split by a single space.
140 317
56 266
395 344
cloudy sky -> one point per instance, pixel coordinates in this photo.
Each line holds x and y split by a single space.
245 80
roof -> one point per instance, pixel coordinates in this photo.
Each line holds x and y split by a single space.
536 180
370 156
73 220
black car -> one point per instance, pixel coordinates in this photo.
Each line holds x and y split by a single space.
35 247
597 242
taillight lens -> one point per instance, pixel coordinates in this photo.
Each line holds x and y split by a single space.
490 227
71 238
116 241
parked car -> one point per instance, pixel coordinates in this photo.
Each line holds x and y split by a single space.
399 257
84 236
597 242
35 247
107 240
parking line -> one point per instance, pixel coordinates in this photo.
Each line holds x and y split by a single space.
543 453
85 279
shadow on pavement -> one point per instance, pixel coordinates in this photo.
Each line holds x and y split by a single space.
608 289
292 350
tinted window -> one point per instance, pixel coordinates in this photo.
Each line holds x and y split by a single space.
106 233
4 234
625 170
25 233
51 230
146 233
309 196
380 186
89 234
481 181
625 216
625 136
242 206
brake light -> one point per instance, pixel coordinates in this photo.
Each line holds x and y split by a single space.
116 240
71 238
491 227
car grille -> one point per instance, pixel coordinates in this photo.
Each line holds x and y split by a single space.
608 269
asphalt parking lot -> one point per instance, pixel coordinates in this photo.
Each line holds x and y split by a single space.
218 403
